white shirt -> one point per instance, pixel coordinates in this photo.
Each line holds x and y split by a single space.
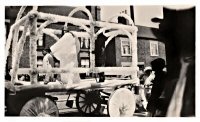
46 63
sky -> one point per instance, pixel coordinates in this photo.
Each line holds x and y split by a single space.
142 14
109 11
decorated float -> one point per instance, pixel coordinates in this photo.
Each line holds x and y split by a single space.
34 98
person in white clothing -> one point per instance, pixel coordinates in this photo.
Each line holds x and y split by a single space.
48 63
145 80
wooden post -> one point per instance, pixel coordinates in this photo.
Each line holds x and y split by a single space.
16 33
18 53
11 33
91 32
134 52
92 45
14 43
33 46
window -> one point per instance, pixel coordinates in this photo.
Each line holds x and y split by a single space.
84 43
39 62
125 47
154 48
40 41
85 63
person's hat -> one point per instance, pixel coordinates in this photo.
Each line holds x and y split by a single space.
147 68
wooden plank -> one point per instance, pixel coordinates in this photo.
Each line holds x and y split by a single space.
11 32
33 46
90 84
18 53
134 51
79 22
106 70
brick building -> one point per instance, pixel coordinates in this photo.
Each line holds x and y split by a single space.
149 47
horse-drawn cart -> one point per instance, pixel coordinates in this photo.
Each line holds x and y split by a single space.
34 98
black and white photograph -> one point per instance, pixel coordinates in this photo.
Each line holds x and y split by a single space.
100 61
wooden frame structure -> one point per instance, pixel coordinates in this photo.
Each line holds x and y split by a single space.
28 24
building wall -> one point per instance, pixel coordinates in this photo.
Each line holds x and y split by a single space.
144 51
145 35
111 57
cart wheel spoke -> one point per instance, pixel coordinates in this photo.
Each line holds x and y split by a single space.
82 97
93 106
30 112
90 109
81 101
83 106
86 108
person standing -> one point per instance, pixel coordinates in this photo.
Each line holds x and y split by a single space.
145 80
48 63
154 102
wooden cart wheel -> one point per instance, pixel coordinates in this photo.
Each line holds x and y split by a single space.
88 102
121 103
39 106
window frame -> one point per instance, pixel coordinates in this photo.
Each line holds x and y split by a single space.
83 41
41 38
124 39
86 66
155 48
